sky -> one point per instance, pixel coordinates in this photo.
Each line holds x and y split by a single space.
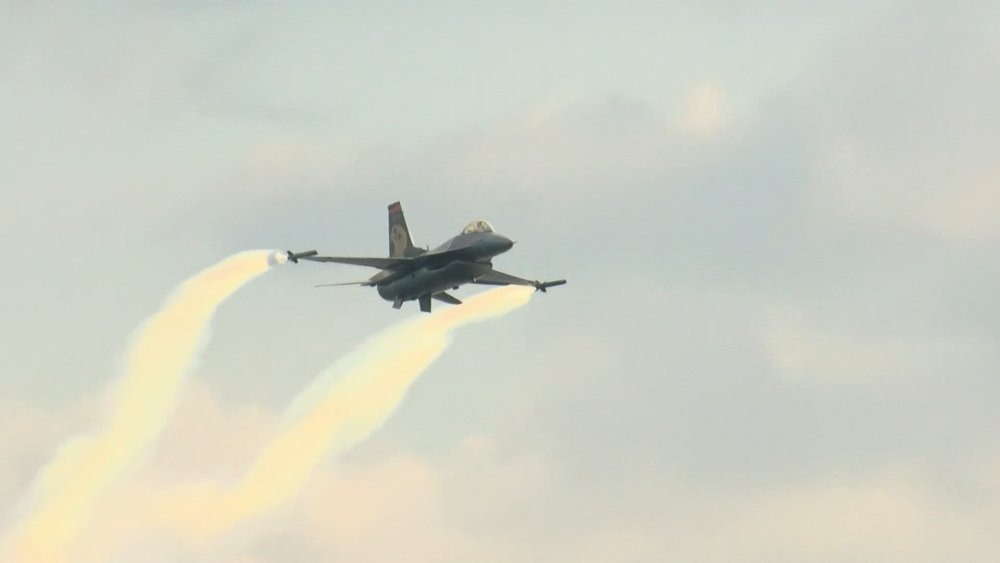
780 223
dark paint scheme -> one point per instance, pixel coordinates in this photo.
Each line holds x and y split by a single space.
411 273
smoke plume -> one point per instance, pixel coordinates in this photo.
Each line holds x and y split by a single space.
163 351
343 406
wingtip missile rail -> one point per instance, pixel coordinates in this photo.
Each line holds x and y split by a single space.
544 286
294 257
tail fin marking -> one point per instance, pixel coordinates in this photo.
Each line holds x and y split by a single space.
400 243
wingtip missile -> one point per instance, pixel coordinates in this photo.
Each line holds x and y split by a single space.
544 286
293 257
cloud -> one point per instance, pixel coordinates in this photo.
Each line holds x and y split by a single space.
405 507
704 110
807 349
486 502
28 435
557 151
888 517
906 138
209 439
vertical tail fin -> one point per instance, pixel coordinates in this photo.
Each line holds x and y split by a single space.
400 244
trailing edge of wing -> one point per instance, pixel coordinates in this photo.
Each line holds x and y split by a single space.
380 263
494 277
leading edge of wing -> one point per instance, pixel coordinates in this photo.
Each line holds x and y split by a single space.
380 263
390 263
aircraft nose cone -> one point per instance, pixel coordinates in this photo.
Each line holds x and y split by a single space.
501 244
494 244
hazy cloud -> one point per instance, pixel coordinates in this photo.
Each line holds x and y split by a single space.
904 138
779 337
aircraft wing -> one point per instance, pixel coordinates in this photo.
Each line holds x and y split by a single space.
390 263
380 263
495 277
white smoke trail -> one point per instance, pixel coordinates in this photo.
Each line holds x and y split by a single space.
343 406
164 350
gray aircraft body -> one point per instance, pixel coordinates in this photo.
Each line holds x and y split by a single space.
411 273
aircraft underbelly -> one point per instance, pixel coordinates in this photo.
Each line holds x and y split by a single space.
425 281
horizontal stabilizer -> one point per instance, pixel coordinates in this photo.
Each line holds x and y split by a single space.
366 282
447 298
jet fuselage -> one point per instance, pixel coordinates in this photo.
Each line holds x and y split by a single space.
470 258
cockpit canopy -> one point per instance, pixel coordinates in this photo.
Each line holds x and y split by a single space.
478 227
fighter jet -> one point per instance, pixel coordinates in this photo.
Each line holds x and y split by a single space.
411 273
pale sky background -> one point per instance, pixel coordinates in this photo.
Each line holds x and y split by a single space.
780 222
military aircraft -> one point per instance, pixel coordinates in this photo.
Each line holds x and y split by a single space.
411 273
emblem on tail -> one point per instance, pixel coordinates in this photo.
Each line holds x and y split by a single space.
400 243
